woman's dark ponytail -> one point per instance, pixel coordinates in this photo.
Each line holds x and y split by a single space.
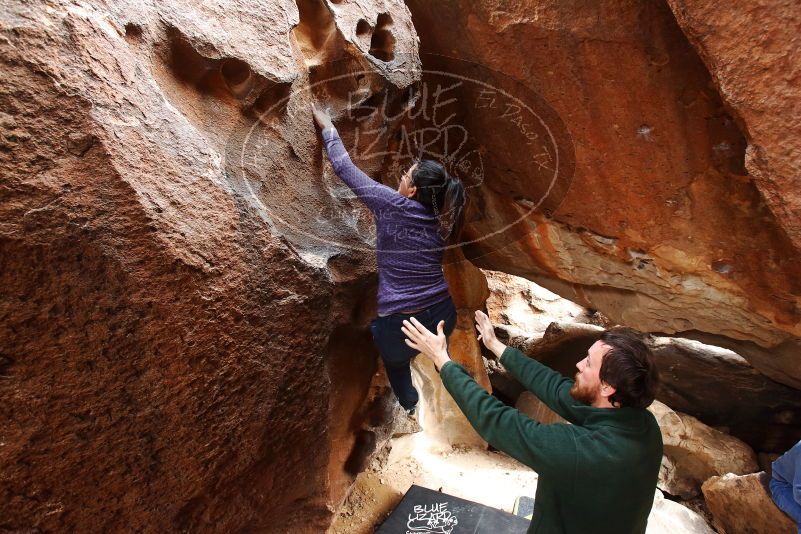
443 194
452 213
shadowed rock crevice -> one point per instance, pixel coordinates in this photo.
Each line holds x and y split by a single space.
133 32
363 28
664 45
351 364
382 43
364 446
270 106
237 76
756 71
728 144
204 74
338 81
317 33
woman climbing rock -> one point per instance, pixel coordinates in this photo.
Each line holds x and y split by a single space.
413 226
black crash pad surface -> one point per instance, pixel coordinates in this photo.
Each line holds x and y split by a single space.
425 511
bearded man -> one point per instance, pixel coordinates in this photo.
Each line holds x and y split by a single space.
596 475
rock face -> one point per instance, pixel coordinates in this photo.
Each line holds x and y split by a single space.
742 505
694 452
762 92
186 286
664 226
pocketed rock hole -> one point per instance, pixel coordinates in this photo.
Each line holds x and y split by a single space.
230 80
722 266
331 83
370 106
316 34
237 76
133 31
382 45
362 28
272 102
201 73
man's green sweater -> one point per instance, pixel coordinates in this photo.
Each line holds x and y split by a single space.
596 475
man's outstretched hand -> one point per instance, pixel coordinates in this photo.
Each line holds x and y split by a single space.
433 347
321 116
486 333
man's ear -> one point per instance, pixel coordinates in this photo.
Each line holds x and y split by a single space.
412 191
607 390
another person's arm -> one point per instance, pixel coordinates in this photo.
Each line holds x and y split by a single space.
372 193
548 385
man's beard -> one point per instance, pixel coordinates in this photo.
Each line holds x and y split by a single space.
584 395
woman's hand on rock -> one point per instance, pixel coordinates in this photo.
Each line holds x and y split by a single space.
321 116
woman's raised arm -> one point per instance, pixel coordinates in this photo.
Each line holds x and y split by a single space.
372 193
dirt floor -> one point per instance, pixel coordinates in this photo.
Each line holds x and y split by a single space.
486 477
490 478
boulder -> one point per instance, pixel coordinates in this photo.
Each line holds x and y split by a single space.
670 517
693 452
659 207
186 284
187 287
742 505
525 307
760 92
720 387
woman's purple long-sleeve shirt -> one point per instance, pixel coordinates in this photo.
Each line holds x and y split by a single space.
409 247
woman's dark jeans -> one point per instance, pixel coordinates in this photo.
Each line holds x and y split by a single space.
397 355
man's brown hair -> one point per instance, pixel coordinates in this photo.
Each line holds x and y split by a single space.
628 366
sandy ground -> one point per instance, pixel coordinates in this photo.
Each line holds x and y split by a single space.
489 478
